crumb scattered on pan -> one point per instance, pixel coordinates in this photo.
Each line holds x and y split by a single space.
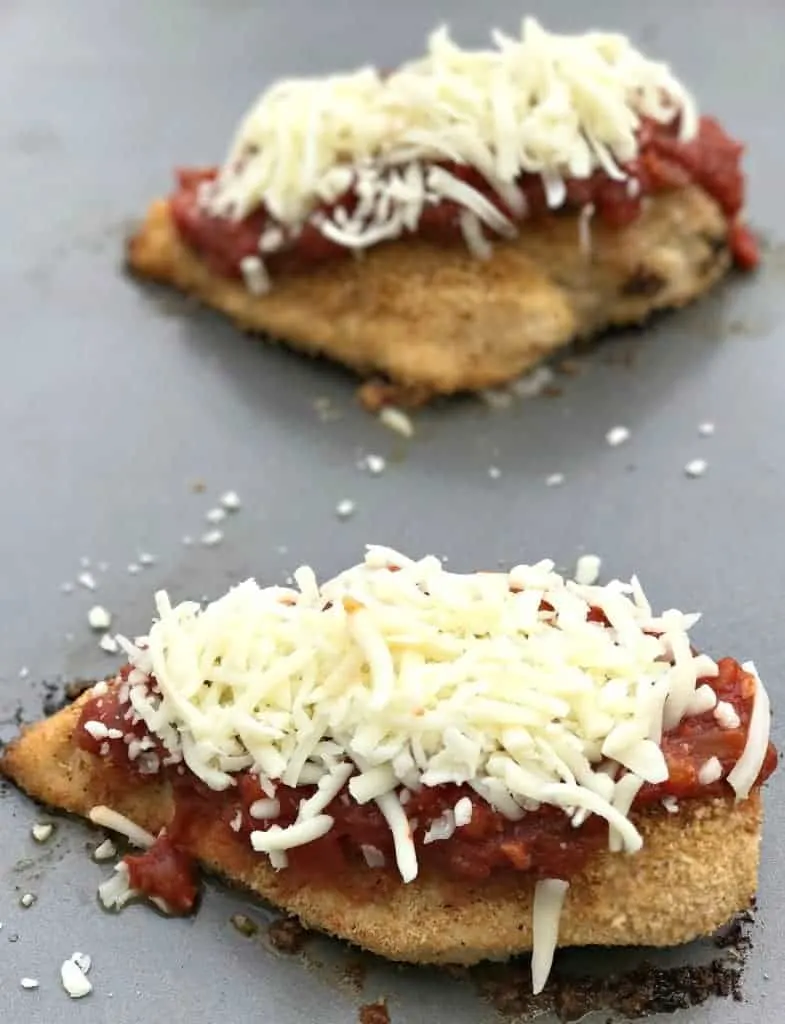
27 900
42 831
29 983
353 975
87 580
231 501
374 394
215 515
244 925
211 538
99 617
67 588
287 935
146 559
375 464
198 486
345 508
73 974
494 472
554 480
706 429
109 644
587 570
24 672
134 568
374 1013
617 435
105 851
696 468
397 420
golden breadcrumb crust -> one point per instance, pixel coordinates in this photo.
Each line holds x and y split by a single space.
697 869
435 320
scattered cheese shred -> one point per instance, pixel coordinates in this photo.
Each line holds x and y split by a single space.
116 822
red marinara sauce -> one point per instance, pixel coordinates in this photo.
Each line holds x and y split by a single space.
711 160
543 842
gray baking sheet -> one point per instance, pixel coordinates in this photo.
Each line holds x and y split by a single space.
118 400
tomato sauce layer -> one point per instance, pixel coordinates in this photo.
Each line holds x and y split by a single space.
544 842
712 160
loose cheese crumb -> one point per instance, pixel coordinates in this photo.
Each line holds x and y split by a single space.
29 983
706 429
42 831
696 468
554 480
557 106
215 515
345 508
86 580
397 420
74 979
99 618
109 644
105 851
231 501
27 900
617 435
587 570
211 538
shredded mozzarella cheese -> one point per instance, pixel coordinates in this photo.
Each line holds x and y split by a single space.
557 106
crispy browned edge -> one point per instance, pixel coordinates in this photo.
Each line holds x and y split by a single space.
697 869
435 320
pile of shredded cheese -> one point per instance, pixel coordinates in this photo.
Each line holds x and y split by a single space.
558 106
397 674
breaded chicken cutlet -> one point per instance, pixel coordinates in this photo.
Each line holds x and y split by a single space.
448 225
440 768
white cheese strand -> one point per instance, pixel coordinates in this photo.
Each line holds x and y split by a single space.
549 895
746 770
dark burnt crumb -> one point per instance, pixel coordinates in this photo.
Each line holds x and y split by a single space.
373 395
570 367
374 1013
552 391
198 486
639 992
58 695
244 925
643 282
354 975
287 935
736 935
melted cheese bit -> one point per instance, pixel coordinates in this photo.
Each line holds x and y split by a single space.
558 106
